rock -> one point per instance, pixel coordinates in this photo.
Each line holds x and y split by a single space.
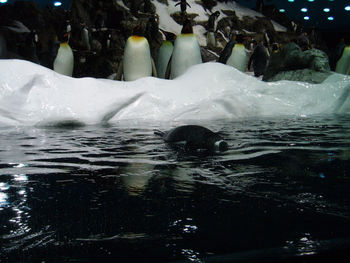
291 63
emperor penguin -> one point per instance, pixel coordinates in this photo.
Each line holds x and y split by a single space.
165 53
186 52
239 57
343 64
64 61
137 60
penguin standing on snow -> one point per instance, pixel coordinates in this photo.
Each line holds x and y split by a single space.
85 37
238 58
226 53
165 53
343 64
64 61
186 51
259 58
193 138
137 61
183 5
211 40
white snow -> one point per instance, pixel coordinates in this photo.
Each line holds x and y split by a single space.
31 94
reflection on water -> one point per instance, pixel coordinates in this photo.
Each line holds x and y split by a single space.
114 193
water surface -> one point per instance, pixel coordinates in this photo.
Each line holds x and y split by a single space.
115 193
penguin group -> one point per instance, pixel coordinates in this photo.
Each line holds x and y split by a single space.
172 56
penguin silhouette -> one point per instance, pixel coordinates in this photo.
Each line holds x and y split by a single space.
194 137
259 58
183 5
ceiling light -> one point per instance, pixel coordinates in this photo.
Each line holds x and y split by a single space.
311 0
282 10
304 9
347 8
290 0
326 10
3 1
306 18
57 3
330 18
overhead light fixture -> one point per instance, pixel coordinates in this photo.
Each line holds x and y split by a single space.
291 1
326 9
347 8
57 3
282 10
311 0
306 18
330 18
304 10
3 1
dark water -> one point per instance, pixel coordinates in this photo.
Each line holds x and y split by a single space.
117 194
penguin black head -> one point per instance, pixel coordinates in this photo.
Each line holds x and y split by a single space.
138 31
187 27
221 146
240 38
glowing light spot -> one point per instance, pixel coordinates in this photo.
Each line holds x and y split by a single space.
311 0
347 8
326 10
306 18
303 10
3 1
330 18
282 10
57 3
291 1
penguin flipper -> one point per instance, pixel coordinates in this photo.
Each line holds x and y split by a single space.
168 68
159 133
120 71
154 70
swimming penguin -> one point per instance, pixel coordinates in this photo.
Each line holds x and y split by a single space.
238 58
64 61
194 137
343 64
164 54
137 60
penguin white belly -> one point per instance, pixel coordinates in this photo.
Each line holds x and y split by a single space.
64 61
164 55
137 62
211 41
186 54
343 64
238 58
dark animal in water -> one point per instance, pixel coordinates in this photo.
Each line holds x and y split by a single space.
194 137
